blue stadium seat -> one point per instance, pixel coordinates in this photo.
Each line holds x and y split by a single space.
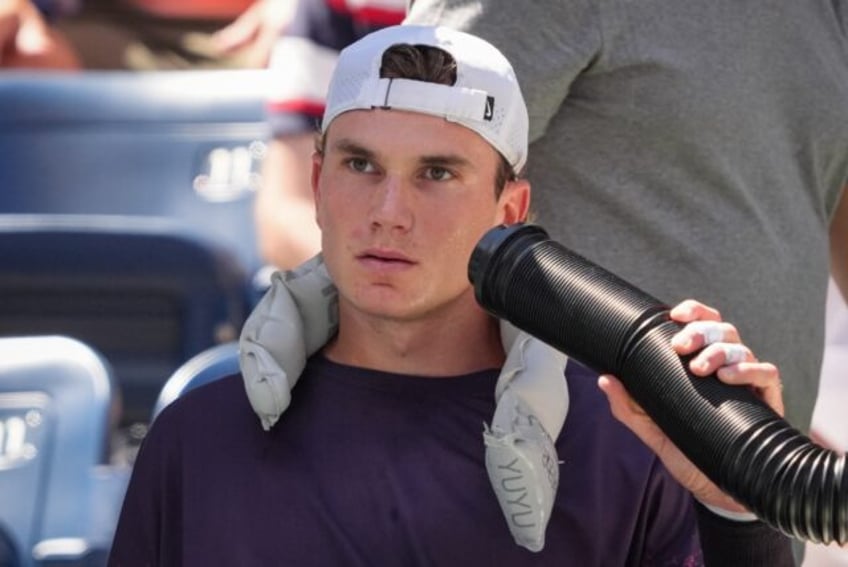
126 221
126 212
144 291
185 145
59 497
208 366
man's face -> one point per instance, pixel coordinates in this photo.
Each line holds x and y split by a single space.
402 199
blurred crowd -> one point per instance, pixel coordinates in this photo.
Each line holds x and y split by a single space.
140 34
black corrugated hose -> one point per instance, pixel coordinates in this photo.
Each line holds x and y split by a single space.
586 312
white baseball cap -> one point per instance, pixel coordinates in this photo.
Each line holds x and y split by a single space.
485 98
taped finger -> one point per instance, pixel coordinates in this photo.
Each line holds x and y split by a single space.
734 353
711 331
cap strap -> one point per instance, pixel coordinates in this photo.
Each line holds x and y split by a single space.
431 98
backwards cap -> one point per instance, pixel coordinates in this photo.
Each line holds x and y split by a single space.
485 98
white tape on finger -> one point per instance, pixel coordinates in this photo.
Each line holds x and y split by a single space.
710 330
734 354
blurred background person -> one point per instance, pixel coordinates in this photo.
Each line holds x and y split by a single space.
141 34
301 64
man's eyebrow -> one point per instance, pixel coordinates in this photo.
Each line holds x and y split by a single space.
348 146
443 160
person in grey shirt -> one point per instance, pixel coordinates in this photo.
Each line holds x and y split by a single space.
680 144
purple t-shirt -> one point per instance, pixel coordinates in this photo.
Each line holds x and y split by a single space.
370 468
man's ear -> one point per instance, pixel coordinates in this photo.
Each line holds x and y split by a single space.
514 202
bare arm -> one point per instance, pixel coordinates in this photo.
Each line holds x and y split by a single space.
285 211
255 31
839 245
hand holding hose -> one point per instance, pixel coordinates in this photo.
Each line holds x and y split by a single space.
720 351
731 434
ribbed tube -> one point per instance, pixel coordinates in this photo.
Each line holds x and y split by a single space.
798 487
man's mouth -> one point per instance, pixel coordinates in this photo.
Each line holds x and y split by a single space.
385 258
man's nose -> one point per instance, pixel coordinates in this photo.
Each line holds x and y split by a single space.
391 205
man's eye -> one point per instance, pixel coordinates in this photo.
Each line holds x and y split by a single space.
361 165
438 174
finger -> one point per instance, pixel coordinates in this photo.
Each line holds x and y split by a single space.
692 310
719 355
763 377
699 334
628 412
621 403
758 374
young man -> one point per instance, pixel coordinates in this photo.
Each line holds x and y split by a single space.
378 459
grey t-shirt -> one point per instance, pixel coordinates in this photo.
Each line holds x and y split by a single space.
697 149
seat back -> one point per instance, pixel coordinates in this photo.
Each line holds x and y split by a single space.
184 145
143 291
207 366
56 405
